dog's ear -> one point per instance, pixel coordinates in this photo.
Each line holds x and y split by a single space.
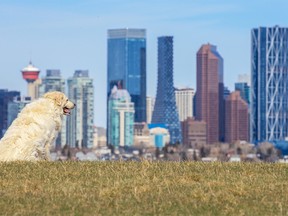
58 97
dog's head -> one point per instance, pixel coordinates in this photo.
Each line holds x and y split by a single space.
60 100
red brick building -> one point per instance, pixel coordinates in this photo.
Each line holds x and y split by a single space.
193 133
209 95
236 119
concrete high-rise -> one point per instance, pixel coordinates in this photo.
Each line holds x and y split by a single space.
236 118
210 91
269 86
54 82
165 110
80 124
184 102
120 118
127 66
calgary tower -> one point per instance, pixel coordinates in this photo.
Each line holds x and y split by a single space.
31 74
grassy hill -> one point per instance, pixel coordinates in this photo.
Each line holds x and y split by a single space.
143 188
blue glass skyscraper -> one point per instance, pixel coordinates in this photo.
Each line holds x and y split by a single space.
80 125
127 66
165 110
269 86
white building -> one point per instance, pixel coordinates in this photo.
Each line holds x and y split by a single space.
150 101
184 102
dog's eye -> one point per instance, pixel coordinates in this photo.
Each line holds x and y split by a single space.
66 100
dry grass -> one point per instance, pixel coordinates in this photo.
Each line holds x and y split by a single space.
143 188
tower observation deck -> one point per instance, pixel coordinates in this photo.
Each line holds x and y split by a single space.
30 73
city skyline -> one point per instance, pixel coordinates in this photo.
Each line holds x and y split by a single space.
72 35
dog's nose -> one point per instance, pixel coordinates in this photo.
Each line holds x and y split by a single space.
74 104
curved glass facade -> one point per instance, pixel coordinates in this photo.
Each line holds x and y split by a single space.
165 110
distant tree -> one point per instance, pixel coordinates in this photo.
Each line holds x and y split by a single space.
204 151
194 157
65 150
69 155
157 152
183 156
239 151
267 151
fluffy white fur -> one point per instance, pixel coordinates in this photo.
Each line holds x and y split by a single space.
34 130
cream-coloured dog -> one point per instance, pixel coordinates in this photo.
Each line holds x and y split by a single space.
34 130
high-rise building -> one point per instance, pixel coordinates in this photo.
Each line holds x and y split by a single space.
31 75
120 118
244 90
127 66
80 124
236 119
150 102
269 86
5 97
165 110
210 92
54 82
184 102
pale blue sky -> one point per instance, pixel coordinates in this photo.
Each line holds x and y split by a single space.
72 34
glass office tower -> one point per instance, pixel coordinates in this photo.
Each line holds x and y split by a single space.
127 66
269 84
165 110
120 118
80 124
